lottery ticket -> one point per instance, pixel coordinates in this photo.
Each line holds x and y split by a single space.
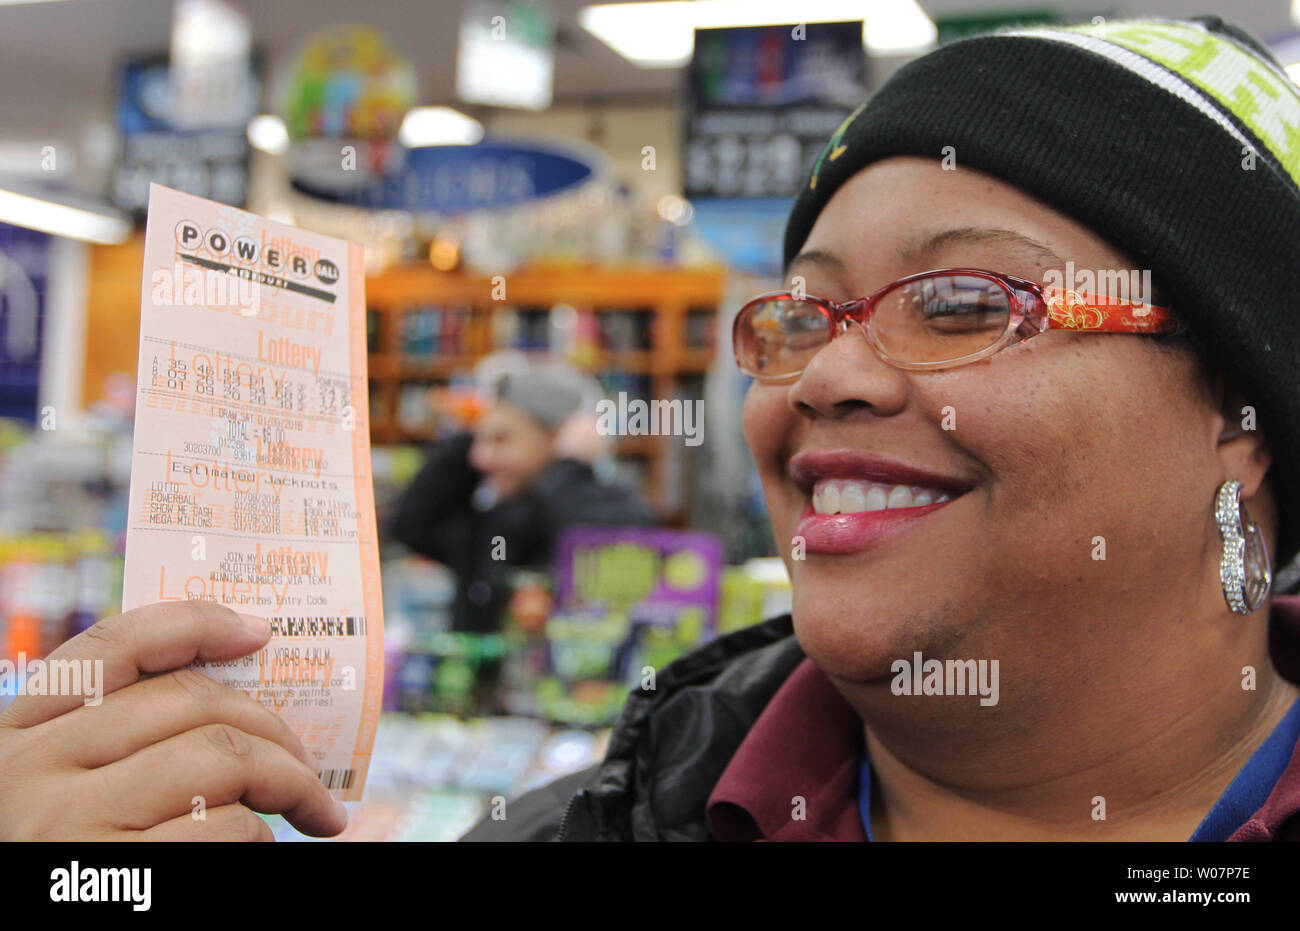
250 480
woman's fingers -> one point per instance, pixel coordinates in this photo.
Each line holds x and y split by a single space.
158 743
224 823
118 650
218 765
160 707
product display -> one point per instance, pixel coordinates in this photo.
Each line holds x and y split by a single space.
433 776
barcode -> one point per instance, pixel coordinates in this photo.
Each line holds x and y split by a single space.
337 778
318 626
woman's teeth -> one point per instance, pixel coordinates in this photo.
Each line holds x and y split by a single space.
849 496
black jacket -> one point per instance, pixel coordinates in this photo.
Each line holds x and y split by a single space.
668 749
670 746
435 517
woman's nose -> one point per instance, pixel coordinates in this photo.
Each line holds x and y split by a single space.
847 375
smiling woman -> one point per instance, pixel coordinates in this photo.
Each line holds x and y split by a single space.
1030 523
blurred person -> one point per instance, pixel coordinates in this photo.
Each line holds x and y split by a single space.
489 501
1028 527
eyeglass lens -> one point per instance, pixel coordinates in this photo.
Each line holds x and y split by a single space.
935 319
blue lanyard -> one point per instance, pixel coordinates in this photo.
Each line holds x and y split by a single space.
1244 796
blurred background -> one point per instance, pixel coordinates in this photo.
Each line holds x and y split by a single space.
578 193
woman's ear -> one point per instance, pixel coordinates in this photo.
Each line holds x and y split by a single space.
1242 448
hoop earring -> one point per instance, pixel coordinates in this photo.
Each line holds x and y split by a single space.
1244 571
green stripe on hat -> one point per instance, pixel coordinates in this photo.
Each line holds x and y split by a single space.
1239 81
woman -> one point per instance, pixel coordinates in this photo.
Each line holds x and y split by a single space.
1069 545
1046 507
496 499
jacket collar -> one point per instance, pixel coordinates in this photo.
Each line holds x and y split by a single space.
672 743
815 738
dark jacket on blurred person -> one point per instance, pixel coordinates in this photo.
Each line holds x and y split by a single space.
691 760
436 517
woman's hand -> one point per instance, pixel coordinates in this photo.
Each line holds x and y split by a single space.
131 766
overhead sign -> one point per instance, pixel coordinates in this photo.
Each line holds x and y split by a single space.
453 179
211 163
346 82
762 101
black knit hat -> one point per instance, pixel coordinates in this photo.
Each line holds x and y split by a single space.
1178 141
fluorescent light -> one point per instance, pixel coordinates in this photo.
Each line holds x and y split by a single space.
898 27
661 34
268 133
61 219
515 69
207 33
652 35
1295 12
438 126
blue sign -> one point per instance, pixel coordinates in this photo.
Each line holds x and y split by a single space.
456 178
24 270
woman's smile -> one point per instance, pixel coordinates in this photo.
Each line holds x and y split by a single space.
854 500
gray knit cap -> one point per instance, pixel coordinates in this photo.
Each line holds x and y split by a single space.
548 392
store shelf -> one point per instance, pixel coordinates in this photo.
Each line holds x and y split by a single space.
428 327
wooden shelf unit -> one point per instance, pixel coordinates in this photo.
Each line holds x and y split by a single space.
667 294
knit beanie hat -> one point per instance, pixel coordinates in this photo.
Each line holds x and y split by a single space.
1177 141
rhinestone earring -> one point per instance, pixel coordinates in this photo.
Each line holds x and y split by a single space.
1244 570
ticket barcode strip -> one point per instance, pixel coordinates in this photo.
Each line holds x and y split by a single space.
338 778
318 626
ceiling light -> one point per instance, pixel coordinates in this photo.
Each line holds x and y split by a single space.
425 126
268 133
898 27
208 33
62 219
661 33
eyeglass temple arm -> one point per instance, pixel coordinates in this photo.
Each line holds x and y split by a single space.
1080 310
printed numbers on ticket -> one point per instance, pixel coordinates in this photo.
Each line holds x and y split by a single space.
250 479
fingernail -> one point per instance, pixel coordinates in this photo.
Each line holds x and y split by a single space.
258 625
343 812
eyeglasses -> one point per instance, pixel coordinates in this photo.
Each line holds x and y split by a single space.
934 320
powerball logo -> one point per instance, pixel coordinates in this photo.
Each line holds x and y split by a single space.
277 261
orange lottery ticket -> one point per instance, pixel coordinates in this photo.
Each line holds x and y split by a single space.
250 480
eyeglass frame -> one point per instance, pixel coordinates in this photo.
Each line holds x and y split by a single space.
1061 309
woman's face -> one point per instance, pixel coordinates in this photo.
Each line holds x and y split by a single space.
510 448
1056 453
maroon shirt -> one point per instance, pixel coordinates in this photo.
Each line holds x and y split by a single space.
802 757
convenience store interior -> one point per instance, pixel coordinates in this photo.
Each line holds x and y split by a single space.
625 179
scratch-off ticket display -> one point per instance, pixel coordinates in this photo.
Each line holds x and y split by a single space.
250 480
